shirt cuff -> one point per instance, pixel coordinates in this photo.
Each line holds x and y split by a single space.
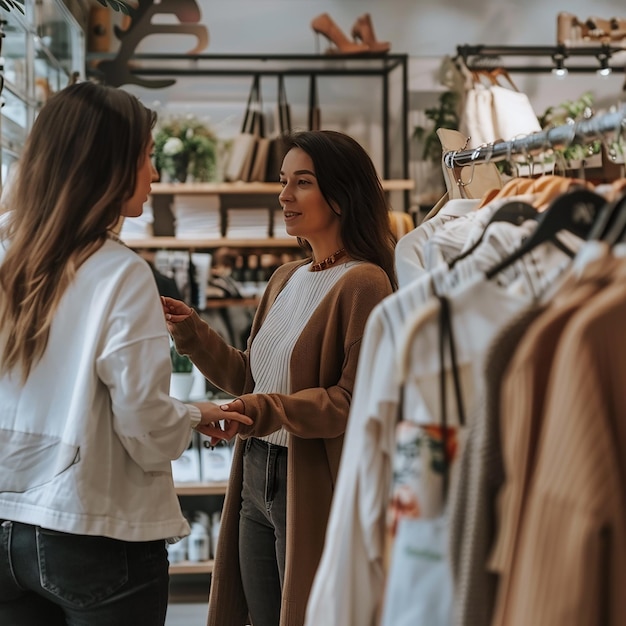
195 415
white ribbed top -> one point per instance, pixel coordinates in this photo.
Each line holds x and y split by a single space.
270 352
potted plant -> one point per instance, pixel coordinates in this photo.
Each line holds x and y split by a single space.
185 147
181 379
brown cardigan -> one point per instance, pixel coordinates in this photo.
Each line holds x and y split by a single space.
315 414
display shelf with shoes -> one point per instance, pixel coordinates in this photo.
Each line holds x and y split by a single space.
593 31
324 25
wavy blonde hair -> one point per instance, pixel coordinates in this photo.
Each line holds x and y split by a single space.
78 167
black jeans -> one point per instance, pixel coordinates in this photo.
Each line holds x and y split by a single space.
262 529
57 579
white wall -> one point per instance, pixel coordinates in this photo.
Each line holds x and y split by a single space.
427 30
424 29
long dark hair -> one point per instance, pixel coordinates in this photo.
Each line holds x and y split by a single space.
78 167
348 179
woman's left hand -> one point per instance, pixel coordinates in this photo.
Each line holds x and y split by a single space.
235 417
221 423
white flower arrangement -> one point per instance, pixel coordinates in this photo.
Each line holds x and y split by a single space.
184 145
173 146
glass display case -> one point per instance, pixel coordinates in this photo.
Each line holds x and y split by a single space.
40 50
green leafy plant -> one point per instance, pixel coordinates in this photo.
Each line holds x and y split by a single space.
569 112
445 115
184 145
180 362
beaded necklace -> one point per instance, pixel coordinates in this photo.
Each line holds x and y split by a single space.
328 261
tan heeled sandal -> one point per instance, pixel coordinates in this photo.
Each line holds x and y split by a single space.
363 30
324 25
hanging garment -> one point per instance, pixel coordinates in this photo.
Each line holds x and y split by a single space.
352 560
410 262
480 475
562 543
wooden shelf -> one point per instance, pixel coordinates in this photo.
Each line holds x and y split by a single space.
250 188
176 243
201 489
218 303
191 567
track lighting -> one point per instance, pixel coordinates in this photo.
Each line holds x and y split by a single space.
604 70
560 71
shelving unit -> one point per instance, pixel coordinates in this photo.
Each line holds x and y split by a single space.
176 243
189 567
201 489
40 50
162 192
249 188
390 69
197 489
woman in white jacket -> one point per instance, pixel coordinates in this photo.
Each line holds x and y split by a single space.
87 427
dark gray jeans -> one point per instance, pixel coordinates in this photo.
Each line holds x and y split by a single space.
58 579
262 529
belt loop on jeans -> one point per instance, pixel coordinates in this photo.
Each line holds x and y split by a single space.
248 444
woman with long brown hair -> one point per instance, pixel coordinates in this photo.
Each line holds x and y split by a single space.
294 380
87 428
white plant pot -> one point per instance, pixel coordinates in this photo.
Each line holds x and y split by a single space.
180 385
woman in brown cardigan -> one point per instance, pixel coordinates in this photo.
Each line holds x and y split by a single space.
294 380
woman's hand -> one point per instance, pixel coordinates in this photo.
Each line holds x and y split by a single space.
175 311
234 418
212 415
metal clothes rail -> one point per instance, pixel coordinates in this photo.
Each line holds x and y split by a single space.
556 137
589 58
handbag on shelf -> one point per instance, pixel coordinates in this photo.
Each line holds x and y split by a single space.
244 149
315 114
258 168
277 144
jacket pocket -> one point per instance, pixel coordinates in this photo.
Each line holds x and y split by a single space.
30 459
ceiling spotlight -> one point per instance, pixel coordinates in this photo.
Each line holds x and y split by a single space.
604 70
560 71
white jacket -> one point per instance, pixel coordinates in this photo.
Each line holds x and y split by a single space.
87 442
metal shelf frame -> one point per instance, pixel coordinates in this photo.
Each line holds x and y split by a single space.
386 66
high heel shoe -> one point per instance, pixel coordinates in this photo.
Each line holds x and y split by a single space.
363 29
324 25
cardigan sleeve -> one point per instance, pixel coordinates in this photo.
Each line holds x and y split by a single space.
224 365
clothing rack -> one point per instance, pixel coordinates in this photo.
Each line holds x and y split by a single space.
556 137
476 57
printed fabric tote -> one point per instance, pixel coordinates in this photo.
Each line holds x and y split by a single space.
419 588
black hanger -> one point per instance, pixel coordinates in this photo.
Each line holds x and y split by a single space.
514 212
610 224
574 211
